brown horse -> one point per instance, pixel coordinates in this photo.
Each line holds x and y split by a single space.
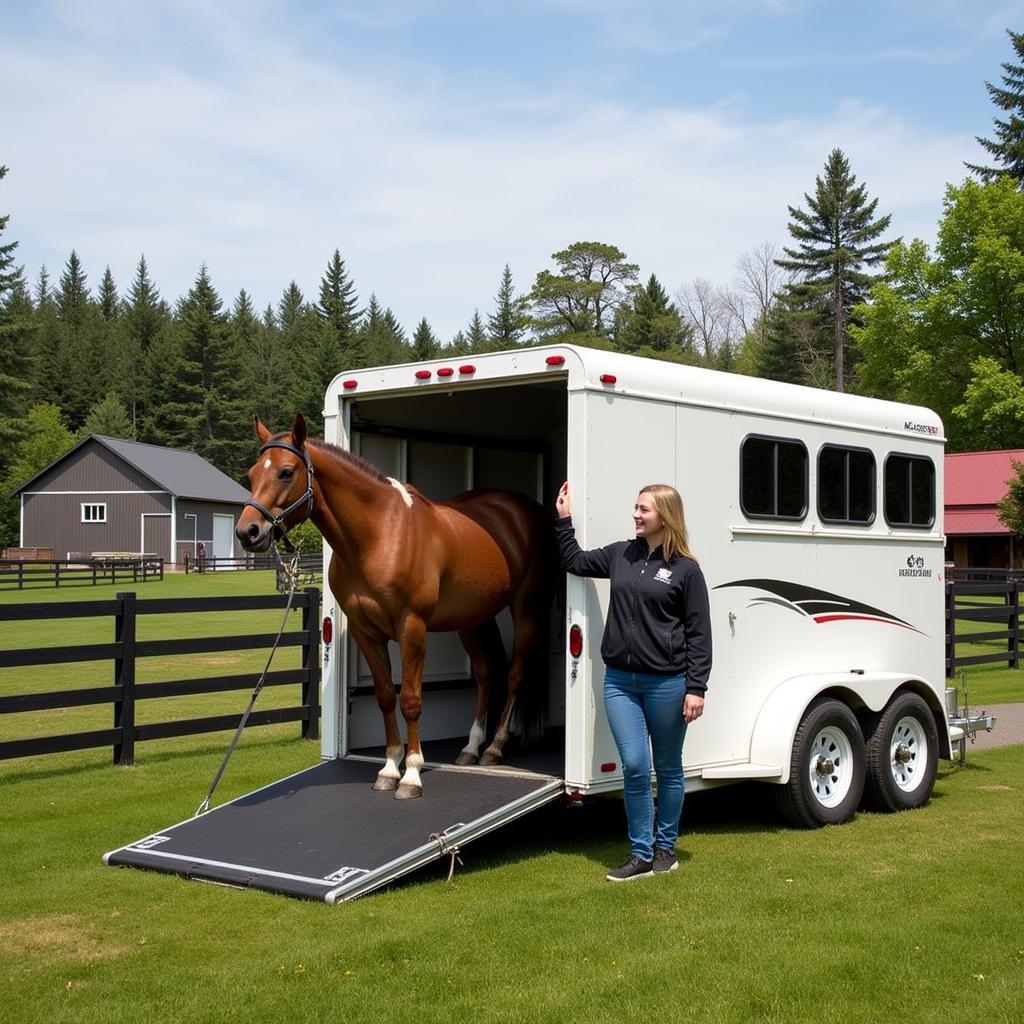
403 566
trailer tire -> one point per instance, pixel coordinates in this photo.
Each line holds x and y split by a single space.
902 755
826 772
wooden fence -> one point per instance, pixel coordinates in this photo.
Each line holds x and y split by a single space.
124 692
995 602
18 573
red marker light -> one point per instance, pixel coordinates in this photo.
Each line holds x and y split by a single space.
327 632
445 371
468 368
555 360
348 385
608 766
575 641
423 375
608 378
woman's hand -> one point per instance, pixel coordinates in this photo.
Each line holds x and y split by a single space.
693 708
562 506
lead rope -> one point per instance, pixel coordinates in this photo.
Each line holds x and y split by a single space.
290 571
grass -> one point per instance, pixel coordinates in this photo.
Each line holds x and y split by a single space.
913 917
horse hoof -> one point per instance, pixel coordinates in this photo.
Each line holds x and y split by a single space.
384 784
489 759
407 792
465 758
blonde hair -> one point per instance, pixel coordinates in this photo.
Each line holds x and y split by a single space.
669 507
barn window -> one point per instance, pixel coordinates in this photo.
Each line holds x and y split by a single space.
95 513
846 485
909 491
773 478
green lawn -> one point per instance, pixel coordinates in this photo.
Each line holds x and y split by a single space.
913 917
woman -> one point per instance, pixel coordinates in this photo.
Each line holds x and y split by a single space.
657 654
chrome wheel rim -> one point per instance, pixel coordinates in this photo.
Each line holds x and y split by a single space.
830 766
908 753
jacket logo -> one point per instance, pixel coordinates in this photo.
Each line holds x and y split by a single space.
663 576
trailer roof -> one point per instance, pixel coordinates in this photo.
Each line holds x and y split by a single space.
619 373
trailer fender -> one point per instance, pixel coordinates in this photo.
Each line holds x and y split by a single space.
775 729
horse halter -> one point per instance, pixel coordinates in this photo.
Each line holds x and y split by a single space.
307 499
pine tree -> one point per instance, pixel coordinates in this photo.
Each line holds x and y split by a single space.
477 338
382 336
144 316
109 303
109 418
779 356
836 239
314 355
72 292
424 342
43 295
338 307
1007 148
649 322
508 324
290 307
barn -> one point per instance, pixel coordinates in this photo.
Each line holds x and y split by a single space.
108 495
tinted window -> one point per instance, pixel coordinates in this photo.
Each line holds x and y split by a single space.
773 478
909 490
846 485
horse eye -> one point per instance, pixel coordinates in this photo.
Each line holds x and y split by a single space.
287 474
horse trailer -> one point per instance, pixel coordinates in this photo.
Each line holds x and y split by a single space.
817 521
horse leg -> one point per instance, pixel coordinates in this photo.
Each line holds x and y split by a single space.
527 616
483 645
413 644
376 654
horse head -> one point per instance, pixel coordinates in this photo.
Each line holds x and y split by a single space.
281 486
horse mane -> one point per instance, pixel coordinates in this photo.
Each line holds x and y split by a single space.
354 460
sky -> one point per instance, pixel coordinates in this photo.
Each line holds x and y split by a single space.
432 142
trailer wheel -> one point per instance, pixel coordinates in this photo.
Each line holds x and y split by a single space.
826 772
903 755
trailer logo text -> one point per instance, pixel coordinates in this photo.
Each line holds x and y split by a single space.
921 428
818 605
915 567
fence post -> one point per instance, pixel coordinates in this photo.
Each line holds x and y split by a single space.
21 575
124 676
950 629
1014 624
311 663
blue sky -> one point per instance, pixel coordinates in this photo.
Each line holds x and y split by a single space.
434 142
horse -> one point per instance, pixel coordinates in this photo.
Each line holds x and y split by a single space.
403 566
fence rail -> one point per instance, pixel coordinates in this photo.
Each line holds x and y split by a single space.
124 692
972 602
22 572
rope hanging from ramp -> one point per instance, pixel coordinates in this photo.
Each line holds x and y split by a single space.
447 850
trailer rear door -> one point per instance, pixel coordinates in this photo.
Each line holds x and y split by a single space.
325 834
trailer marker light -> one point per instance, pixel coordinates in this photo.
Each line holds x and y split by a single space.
575 641
348 385
423 375
608 766
608 378
445 371
467 368
555 360
328 629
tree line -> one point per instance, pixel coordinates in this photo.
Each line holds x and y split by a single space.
842 306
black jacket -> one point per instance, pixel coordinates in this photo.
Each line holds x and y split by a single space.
658 615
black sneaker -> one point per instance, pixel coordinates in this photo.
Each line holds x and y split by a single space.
633 868
664 860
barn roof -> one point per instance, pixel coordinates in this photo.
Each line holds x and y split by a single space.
181 473
974 483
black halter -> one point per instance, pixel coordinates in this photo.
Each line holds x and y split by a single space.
277 521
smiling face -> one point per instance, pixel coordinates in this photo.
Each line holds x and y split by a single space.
647 520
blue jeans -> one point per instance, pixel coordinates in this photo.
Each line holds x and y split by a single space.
645 712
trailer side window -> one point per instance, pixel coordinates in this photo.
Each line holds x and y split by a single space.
909 491
773 478
846 485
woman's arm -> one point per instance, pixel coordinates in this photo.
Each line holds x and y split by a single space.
595 563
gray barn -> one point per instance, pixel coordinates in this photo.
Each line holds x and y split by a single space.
108 495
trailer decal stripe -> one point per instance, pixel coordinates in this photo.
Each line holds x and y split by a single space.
818 605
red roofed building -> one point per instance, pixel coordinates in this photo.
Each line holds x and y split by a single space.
975 482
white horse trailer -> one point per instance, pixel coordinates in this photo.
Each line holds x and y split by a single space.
817 520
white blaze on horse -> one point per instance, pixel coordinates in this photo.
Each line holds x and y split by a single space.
403 566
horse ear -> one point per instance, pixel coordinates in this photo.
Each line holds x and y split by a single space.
299 430
262 433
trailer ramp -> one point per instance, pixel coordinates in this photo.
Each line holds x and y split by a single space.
325 834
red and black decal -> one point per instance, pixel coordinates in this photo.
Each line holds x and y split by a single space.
819 605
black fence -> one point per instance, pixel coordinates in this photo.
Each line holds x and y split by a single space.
17 573
124 692
207 563
994 603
